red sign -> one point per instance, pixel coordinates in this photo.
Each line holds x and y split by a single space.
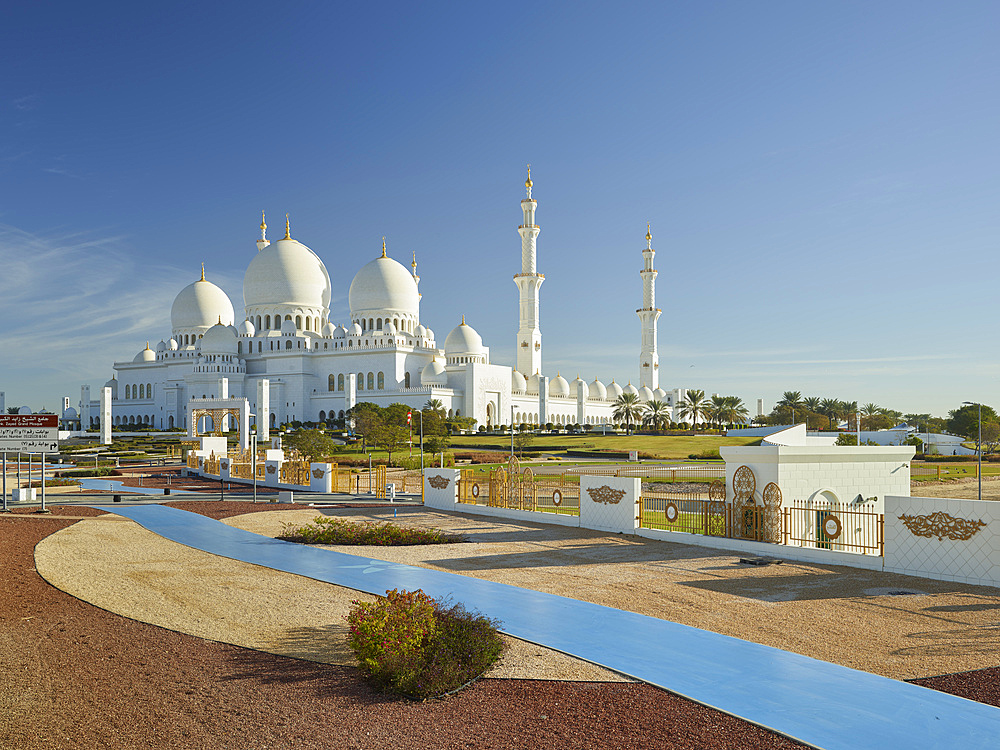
29 420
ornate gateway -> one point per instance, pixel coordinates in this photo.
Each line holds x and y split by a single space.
771 531
745 515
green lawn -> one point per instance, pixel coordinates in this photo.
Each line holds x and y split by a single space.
659 446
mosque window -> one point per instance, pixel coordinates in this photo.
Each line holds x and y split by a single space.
381 381
288 344
260 346
331 383
267 321
350 344
361 381
458 412
378 324
298 321
341 413
395 322
258 322
450 414
340 382
149 390
371 381
239 347
406 380
288 317
371 324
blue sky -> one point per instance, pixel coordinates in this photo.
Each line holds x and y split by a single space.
821 180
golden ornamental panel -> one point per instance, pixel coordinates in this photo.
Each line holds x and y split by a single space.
941 525
438 482
271 468
744 483
717 490
715 517
557 497
605 494
832 527
319 473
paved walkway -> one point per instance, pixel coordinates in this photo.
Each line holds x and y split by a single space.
816 702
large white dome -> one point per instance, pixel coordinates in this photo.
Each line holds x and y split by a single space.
614 390
200 305
463 339
559 387
433 374
219 339
598 390
384 285
286 272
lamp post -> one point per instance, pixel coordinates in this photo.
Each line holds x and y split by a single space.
421 412
979 444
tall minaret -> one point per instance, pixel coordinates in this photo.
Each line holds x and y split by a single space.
263 241
529 336
649 313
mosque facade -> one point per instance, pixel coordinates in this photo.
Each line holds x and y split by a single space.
291 362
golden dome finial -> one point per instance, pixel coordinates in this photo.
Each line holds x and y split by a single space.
203 271
263 224
220 320
527 182
463 319
649 234
383 246
288 229
147 346
414 263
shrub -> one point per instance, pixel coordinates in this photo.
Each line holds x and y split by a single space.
418 647
709 453
324 530
482 457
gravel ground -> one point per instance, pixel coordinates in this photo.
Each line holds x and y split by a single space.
77 676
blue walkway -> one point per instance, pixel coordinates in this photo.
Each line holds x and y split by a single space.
816 702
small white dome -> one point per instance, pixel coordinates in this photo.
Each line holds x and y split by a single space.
614 390
146 355
433 374
329 330
598 390
383 285
559 387
575 386
162 346
420 332
518 383
200 305
70 413
284 273
630 389
340 332
533 381
172 345
430 333
659 394
112 384
390 330
463 339
24 410
645 394
219 339
288 327
355 330
246 328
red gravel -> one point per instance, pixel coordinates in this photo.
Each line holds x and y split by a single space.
79 677
981 685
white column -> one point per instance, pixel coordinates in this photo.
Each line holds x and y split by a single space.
106 415
529 282
543 401
649 313
263 410
244 424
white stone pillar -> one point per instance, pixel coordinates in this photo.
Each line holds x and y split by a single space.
106 415
582 391
529 282
263 410
543 401
244 424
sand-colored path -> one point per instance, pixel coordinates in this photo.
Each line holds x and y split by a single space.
851 617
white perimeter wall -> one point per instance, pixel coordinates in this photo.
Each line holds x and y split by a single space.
975 560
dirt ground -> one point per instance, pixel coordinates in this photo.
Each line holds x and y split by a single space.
964 489
898 626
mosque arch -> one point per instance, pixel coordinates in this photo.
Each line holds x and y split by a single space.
239 347
406 380
331 382
170 422
341 414
378 324
288 344
361 381
322 415
287 316
298 322
381 381
340 382
450 414
267 322
273 419
371 381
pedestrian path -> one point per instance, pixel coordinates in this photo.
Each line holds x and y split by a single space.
816 702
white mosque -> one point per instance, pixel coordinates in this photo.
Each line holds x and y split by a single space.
291 362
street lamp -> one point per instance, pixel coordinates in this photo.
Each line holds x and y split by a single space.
979 444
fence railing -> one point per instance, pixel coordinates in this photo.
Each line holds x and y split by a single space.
841 527
499 490
664 473
834 526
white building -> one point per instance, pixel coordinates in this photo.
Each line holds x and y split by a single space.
313 369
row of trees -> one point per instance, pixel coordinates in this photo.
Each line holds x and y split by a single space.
718 410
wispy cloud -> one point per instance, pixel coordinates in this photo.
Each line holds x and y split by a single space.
73 304
25 103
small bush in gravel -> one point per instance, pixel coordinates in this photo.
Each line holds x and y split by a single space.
415 646
324 530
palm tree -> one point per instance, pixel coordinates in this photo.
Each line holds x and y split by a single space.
716 411
694 406
830 408
736 411
790 400
628 410
434 404
868 411
849 410
812 403
657 414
